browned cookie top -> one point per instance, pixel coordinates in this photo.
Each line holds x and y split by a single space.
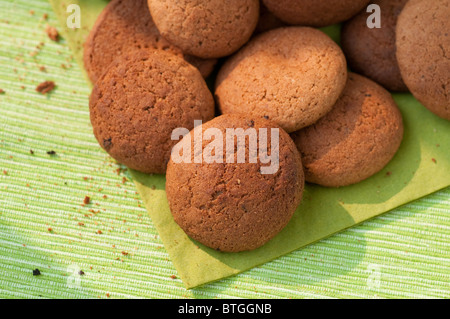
127 25
316 13
371 52
232 206
423 52
355 140
206 28
140 100
291 75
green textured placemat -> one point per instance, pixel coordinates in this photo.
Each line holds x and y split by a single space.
401 254
323 212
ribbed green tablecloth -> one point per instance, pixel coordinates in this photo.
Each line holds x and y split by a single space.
44 223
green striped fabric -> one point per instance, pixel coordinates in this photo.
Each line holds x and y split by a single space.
44 223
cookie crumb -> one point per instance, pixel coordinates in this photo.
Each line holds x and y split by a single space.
86 200
31 152
81 273
434 160
52 33
36 272
173 277
52 152
45 87
124 253
2 91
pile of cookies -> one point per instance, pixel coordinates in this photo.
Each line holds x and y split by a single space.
270 71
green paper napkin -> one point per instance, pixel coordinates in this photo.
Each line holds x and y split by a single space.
421 167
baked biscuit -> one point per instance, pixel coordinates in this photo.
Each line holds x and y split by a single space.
315 13
292 76
206 28
234 206
137 103
371 52
423 52
127 25
355 140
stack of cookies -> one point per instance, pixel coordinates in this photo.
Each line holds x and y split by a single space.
240 102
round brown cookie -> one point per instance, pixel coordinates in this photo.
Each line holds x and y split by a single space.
127 25
355 140
316 13
267 20
137 103
233 206
423 52
371 52
291 75
206 28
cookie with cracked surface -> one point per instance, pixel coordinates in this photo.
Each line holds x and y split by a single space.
127 25
206 28
355 140
137 103
423 52
315 13
371 52
233 207
292 76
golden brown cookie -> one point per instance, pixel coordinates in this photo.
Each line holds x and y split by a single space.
233 206
423 52
127 25
355 140
292 76
316 13
206 28
137 103
371 52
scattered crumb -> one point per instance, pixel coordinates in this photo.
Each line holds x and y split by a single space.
99 232
50 229
45 87
36 272
107 295
86 200
80 224
31 152
45 16
173 277
2 91
32 12
434 160
52 33
124 253
42 68
388 173
5 172
52 152
81 273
